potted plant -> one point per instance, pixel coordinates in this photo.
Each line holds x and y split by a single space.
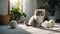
16 13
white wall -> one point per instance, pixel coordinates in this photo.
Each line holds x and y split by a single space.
3 7
29 7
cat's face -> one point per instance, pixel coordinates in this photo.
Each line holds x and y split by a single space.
39 13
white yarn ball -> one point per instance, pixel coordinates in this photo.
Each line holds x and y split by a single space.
44 24
48 24
13 24
52 22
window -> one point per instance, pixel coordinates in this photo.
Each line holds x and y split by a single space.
13 2
21 4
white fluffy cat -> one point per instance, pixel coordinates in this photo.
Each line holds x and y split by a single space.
37 18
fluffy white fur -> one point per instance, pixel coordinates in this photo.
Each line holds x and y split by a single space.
36 20
13 24
48 24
